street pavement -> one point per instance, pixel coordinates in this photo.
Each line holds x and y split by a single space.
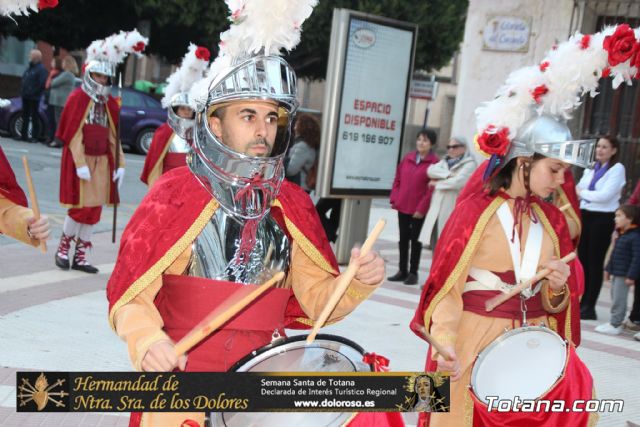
53 320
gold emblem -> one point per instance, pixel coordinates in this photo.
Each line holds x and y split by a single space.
41 392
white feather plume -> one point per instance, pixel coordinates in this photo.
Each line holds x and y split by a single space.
116 47
257 26
569 71
191 70
18 7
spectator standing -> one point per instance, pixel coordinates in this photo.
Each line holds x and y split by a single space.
633 322
599 191
410 196
448 176
635 196
61 86
56 69
304 151
33 81
623 268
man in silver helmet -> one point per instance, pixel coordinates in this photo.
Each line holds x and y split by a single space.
88 173
228 221
171 141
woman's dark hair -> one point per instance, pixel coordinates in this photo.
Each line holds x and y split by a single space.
308 128
614 144
632 212
503 178
430 134
57 63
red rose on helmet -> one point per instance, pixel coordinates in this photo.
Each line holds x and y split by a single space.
493 141
47 4
139 47
203 53
539 92
621 45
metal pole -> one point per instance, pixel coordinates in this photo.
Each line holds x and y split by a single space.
354 224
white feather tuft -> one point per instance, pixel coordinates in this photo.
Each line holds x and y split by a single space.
18 7
191 70
116 47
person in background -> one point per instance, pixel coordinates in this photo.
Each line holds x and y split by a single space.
60 88
56 68
599 191
33 81
448 176
410 196
633 322
304 151
623 268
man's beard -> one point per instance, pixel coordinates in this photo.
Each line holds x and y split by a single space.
257 143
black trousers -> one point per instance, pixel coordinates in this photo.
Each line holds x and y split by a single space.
634 316
30 112
410 228
331 223
594 242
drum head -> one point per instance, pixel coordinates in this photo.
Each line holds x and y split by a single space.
525 362
328 353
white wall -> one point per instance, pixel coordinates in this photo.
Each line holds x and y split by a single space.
482 72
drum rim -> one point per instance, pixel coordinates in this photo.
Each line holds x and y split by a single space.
508 334
295 338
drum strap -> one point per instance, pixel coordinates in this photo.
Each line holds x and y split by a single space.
525 266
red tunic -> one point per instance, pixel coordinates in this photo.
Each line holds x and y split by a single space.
157 150
71 122
9 187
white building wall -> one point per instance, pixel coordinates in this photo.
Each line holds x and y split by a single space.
482 72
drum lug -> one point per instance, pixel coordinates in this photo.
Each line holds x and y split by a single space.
276 336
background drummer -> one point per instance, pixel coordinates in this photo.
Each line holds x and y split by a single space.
199 236
474 263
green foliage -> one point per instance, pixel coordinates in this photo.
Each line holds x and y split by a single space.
174 23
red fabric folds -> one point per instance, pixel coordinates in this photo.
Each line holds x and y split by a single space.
173 160
9 187
88 216
576 384
161 138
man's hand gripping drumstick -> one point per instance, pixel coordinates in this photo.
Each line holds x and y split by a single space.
164 356
364 265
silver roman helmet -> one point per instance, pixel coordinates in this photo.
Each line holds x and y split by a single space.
550 136
96 91
183 127
245 186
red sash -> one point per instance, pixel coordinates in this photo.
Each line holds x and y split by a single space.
173 160
183 301
95 139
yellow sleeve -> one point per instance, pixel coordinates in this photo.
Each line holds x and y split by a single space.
13 221
313 286
76 147
139 323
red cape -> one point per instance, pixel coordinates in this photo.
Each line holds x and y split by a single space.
161 138
71 121
170 218
9 187
458 242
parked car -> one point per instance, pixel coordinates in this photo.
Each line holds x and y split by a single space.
140 116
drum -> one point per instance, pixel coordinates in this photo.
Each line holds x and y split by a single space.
526 362
328 353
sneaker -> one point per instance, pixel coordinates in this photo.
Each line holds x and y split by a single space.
609 329
637 336
630 325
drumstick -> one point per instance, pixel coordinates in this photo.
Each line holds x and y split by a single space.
499 299
222 314
343 282
565 207
34 200
431 340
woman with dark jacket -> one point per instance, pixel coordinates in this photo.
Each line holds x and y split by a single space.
599 191
411 196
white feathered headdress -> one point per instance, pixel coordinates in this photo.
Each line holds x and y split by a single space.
116 47
257 27
24 7
556 85
192 69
